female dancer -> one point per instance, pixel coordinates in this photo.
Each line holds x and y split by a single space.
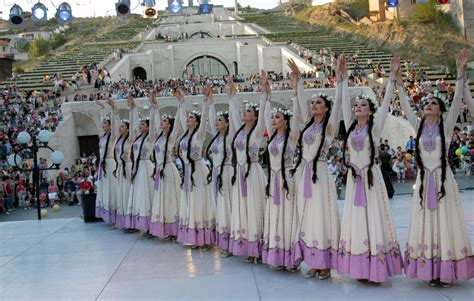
165 205
248 180
141 191
316 197
123 167
280 222
368 247
106 193
219 153
438 248
196 218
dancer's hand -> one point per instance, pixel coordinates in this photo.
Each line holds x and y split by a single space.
394 65
461 62
230 86
295 73
130 101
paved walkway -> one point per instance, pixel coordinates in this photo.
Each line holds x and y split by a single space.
58 259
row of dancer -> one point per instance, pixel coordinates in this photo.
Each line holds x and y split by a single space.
289 214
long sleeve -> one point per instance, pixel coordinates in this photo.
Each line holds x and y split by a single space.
260 127
468 100
333 123
346 104
174 134
407 109
234 115
114 122
152 127
455 108
295 130
302 101
267 116
134 121
212 118
157 122
182 117
204 117
382 112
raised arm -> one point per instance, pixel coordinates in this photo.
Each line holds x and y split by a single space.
134 118
406 107
102 113
212 118
461 63
267 117
205 112
155 116
382 112
264 97
341 81
298 89
468 100
182 117
346 103
114 121
235 120
174 134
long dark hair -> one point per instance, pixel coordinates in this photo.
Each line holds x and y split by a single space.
188 151
104 164
419 161
162 174
267 156
137 161
321 145
219 177
121 152
234 152
372 146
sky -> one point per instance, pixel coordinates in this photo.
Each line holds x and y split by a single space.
89 8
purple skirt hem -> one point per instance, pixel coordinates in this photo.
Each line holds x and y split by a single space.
137 222
377 268
243 247
434 268
316 258
197 237
278 257
162 230
223 241
108 216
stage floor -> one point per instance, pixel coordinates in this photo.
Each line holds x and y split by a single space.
66 259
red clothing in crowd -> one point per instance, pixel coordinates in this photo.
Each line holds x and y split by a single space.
85 185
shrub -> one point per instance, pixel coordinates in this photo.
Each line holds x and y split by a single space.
39 47
429 13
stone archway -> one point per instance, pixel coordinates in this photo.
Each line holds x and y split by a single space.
139 73
206 65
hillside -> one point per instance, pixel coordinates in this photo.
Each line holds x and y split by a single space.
427 42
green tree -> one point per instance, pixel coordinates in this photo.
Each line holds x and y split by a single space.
39 47
57 40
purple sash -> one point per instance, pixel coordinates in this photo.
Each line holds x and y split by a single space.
276 190
432 199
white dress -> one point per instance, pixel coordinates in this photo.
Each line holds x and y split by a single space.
368 247
319 224
123 175
438 244
222 197
165 204
281 220
248 194
106 195
138 212
197 211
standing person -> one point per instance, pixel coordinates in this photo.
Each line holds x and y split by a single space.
106 182
410 146
219 153
438 247
318 217
165 204
138 211
123 164
399 168
386 168
368 247
197 212
280 220
248 181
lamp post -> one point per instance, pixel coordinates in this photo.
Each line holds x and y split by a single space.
15 159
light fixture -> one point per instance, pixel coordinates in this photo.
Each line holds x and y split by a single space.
150 11
57 157
123 8
175 6
64 13
14 160
16 16
39 13
44 136
205 9
23 138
